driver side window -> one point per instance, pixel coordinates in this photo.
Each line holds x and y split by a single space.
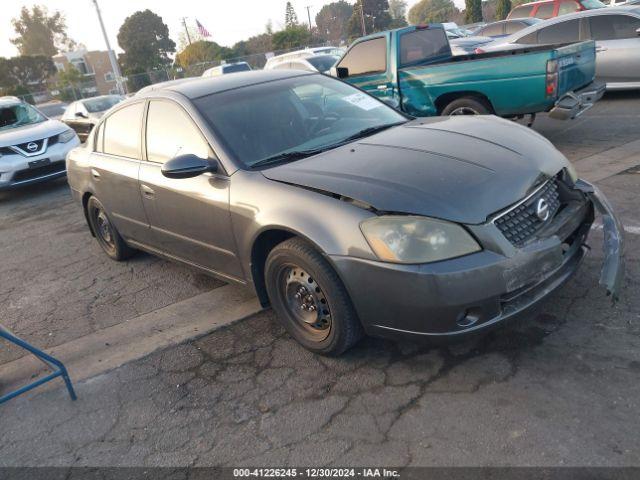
171 132
366 57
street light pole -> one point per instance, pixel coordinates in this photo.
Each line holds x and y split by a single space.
364 26
309 16
184 22
112 55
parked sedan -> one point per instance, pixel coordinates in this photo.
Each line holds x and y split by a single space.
616 31
313 63
503 28
82 115
545 9
346 216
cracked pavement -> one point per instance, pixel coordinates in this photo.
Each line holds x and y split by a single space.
556 388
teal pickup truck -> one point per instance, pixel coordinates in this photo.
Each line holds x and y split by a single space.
413 69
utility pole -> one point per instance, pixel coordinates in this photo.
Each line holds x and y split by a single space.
309 17
364 26
112 55
184 22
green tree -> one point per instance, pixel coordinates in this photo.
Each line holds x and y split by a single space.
144 37
27 70
473 11
333 19
201 51
290 17
39 33
291 37
376 17
69 82
432 11
503 7
398 13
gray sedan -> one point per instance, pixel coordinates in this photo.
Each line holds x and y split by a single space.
345 215
616 31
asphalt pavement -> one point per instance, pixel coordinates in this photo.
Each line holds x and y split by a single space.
557 388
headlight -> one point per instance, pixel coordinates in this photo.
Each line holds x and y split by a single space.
411 239
66 136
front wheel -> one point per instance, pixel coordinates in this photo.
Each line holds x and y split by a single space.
467 106
310 299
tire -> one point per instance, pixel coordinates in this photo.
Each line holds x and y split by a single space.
106 233
333 326
467 106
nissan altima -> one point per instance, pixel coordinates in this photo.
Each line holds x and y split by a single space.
346 216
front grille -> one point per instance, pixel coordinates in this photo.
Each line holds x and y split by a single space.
522 222
25 146
37 172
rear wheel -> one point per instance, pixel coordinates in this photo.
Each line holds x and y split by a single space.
106 233
310 299
467 106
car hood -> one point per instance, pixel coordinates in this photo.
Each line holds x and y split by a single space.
459 168
28 133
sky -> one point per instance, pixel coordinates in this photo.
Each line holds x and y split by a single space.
228 21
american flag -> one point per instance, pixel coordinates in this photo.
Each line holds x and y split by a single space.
203 31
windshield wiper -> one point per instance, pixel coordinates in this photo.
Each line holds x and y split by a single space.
286 157
370 131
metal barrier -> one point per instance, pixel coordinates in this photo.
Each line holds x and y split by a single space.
59 370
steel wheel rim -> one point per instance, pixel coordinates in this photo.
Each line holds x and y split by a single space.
306 302
464 111
104 230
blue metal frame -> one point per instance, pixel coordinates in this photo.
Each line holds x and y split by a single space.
59 370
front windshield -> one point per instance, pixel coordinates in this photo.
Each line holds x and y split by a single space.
306 113
591 4
101 104
323 63
18 115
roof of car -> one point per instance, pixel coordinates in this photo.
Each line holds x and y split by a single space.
9 100
200 86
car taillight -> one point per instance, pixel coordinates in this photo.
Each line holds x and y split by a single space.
479 50
551 84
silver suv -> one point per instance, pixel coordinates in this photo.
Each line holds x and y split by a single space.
33 148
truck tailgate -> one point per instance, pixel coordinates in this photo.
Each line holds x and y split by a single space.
576 65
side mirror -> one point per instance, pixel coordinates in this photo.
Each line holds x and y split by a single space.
342 72
638 31
187 166
81 115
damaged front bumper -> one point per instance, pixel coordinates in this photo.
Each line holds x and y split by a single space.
612 273
574 104
472 293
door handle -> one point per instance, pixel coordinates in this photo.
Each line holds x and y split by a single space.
147 191
601 49
383 87
95 174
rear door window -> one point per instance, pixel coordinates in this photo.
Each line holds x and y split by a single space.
521 12
613 27
529 39
423 44
366 57
563 32
545 10
122 131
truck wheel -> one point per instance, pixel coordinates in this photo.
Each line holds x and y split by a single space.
310 299
108 237
467 106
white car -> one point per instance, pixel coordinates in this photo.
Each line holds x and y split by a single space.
275 62
33 148
227 68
